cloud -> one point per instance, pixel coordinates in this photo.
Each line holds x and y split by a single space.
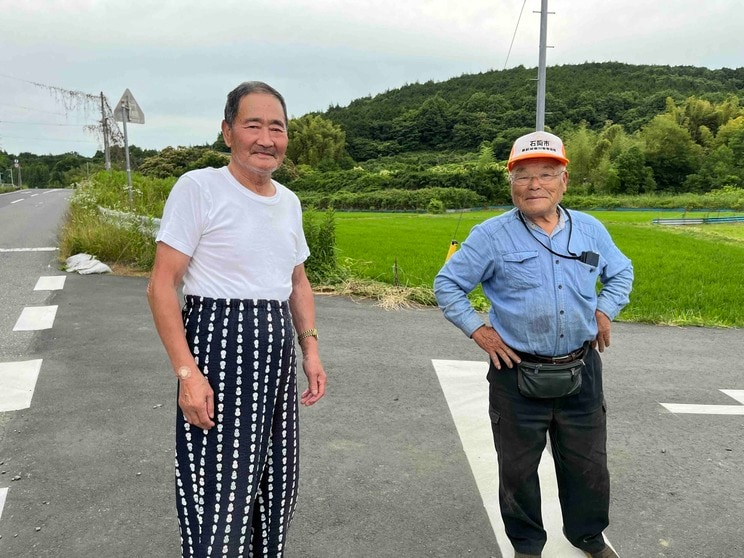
180 58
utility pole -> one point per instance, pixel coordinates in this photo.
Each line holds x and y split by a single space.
540 120
104 125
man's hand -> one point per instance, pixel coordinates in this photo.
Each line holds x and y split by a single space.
316 379
196 399
490 341
603 331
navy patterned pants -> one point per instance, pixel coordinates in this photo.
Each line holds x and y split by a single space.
236 484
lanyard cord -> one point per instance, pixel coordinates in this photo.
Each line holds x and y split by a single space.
568 244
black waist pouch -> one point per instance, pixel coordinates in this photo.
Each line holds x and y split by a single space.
543 381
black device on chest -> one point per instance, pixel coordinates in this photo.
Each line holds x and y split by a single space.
588 258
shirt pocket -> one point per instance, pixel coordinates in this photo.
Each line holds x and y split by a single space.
522 270
586 280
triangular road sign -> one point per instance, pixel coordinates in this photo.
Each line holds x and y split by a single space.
136 116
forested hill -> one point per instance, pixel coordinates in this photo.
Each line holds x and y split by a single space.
498 106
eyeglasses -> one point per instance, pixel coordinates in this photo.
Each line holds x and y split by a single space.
543 178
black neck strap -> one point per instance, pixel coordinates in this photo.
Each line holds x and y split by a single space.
571 255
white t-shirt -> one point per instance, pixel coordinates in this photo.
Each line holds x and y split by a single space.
241 245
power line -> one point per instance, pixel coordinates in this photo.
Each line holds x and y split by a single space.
33 109
515 34
48 139
55 88
39 123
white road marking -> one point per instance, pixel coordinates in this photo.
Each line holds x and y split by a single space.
3 496
689 408
50 283
34 195
36 317
16 201
466 390
17 384
44 249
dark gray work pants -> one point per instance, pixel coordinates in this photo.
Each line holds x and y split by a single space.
578 437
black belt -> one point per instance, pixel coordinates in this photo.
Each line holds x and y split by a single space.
562 359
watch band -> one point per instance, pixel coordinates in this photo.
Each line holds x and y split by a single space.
312 332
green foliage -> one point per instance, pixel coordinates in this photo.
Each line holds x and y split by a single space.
634 177
320 232
110 190
435 206
115 243
173 162
314 140
670 152
473 184
393 200
704 270
461 112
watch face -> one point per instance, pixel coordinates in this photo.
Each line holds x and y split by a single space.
184 372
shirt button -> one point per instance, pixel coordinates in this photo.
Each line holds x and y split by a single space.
557 261
561 336
562 312
560 286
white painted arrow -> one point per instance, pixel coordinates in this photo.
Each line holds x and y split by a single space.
466 390
736 394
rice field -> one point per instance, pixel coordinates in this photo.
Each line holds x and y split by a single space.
685 275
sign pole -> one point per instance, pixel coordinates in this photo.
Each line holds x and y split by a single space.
128 111
125 108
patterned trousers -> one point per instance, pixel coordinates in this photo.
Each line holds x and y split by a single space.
236 484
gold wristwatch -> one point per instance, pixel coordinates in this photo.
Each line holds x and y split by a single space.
312 332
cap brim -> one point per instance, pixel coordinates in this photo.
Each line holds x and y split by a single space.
526 156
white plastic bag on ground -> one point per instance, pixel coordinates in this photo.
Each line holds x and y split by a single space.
85 264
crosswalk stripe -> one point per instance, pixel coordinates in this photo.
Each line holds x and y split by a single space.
42 249
33 318
17 384
466 390
3 496
50 283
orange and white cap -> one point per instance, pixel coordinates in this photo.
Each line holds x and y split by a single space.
537 144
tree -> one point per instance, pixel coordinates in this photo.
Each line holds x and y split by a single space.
633 175
433 122
670 152
314 139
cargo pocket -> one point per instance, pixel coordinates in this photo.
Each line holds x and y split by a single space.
495 428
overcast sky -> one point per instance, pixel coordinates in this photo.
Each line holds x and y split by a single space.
180 58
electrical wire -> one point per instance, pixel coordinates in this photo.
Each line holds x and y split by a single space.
515 34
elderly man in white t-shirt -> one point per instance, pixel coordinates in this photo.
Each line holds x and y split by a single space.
233 237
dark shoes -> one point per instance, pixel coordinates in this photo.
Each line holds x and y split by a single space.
606 552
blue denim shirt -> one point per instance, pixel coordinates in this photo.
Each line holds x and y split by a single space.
540 303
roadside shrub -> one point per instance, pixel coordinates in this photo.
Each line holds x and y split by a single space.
320 232
435 206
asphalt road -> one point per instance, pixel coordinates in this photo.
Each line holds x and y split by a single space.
383 471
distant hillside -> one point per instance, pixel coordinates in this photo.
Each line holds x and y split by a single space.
497 106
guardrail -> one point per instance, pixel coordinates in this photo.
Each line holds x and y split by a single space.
698 221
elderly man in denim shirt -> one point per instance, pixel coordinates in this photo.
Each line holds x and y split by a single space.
539 264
